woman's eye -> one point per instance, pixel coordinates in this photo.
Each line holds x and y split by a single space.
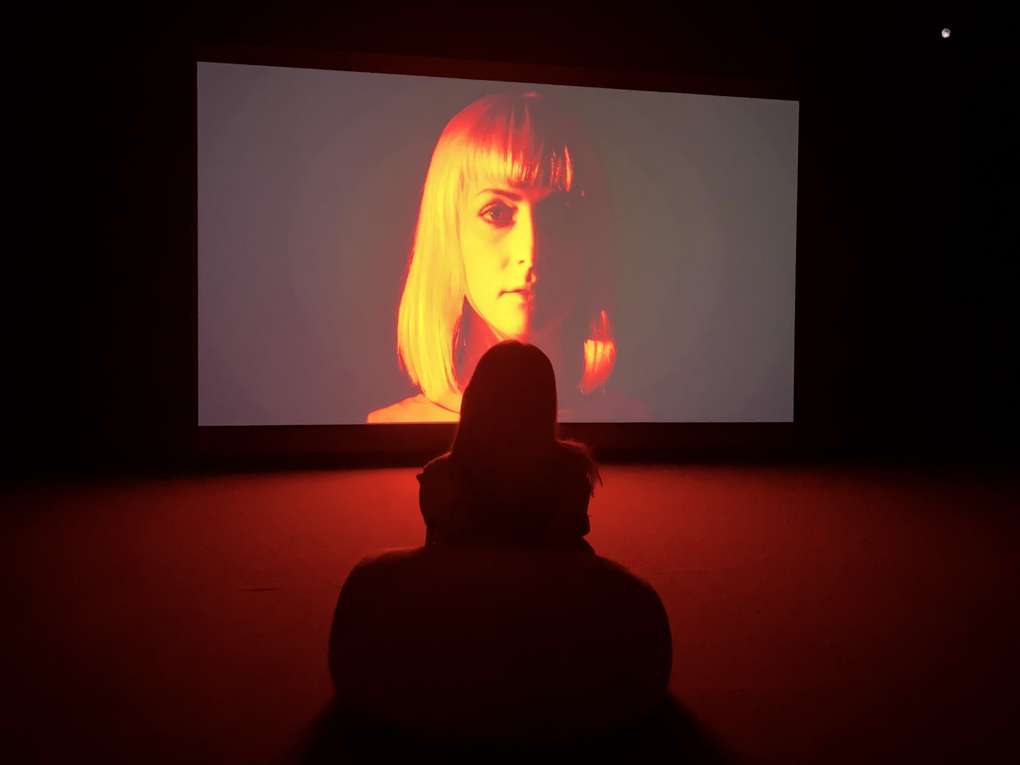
498 214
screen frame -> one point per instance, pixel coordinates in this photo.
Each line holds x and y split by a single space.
435 438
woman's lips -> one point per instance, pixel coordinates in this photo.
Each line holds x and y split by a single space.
525 293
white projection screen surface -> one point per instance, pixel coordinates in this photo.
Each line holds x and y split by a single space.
362 238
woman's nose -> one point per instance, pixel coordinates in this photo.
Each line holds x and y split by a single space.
524 238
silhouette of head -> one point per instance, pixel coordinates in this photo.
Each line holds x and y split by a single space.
507 452
508 414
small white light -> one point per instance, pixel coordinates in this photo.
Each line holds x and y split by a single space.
945 33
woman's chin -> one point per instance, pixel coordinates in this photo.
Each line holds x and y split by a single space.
527 332
513 330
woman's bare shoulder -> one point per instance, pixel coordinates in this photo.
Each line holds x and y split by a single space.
413 409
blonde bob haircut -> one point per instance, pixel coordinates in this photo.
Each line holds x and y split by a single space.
515 138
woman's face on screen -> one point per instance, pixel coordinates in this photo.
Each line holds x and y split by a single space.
522 255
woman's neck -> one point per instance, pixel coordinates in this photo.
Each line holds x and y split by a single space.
549 340
481 337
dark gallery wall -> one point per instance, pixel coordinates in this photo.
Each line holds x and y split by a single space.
906 275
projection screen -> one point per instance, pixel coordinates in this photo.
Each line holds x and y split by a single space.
363 238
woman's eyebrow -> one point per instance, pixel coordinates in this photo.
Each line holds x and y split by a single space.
511 195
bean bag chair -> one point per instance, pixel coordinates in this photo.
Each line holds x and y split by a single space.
498 645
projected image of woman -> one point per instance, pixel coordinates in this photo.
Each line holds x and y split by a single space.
512 242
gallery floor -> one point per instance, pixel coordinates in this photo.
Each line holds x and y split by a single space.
820 614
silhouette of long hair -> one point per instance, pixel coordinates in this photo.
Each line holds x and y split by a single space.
507 449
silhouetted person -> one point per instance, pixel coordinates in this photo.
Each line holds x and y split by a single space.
505 627
508 479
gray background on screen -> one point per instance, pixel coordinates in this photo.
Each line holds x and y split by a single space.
308 189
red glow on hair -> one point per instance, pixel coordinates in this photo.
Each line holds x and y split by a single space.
599 355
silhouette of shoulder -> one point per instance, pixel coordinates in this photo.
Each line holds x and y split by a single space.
558 505
437 493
